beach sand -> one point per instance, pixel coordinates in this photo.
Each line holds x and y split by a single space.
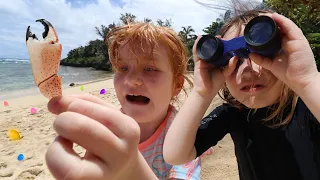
37 133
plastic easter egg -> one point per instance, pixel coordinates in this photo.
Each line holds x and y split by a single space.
14 135
20 157
5 103
33 110
82 88
103 91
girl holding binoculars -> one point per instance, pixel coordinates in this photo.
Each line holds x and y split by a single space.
271 109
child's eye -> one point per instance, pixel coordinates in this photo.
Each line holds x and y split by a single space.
149 69
123 68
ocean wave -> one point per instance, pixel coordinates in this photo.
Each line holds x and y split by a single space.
11 60
69 74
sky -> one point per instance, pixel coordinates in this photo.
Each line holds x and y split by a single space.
75 20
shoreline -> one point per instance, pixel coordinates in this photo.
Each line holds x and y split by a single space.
18 80
8 95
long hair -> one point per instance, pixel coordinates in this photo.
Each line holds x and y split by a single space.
287 96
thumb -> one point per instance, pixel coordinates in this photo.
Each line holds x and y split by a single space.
262 61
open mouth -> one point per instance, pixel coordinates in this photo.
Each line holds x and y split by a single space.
137 99
252 87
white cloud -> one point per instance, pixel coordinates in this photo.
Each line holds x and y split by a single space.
75 20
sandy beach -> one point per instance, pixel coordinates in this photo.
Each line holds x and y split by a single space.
37 133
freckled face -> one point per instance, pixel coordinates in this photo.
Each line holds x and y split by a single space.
144 86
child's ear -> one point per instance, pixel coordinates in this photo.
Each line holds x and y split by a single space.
178 85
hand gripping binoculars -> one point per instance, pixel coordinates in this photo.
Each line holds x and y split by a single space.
261 36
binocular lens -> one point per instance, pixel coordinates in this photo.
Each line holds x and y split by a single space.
261 32
208 48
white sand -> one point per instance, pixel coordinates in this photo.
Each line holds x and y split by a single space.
37 133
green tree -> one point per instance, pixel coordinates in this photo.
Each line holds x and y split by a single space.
214 28
77 53
127 18
186 33
102 32
188 38
306 14
165 23
147 20
94 48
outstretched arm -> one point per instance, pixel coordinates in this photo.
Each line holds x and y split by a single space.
208 80
179 142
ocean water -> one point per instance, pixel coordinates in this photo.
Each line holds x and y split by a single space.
16 76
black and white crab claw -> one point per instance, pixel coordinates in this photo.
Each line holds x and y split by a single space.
49 33
29 34
45 59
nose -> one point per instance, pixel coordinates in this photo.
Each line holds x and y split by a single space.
249 69
133 79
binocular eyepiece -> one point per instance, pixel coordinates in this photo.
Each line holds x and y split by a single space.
261 35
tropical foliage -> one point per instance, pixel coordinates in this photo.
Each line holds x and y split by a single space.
305 13
95 52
